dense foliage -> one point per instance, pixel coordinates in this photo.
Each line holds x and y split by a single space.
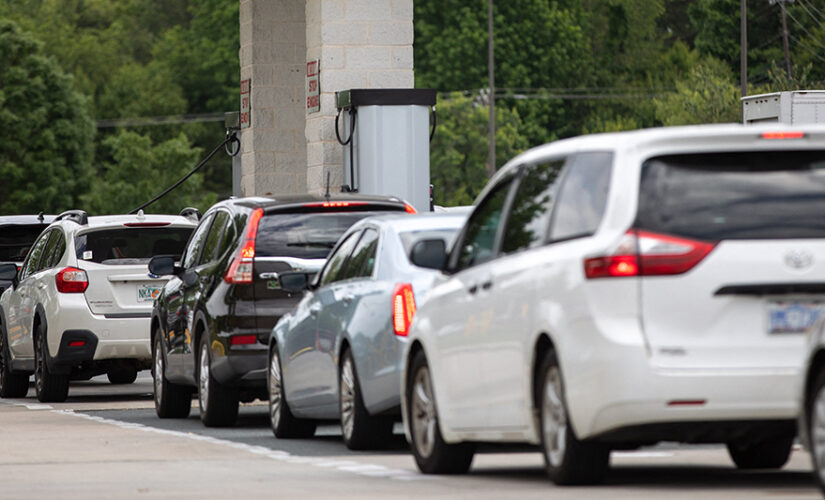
563 67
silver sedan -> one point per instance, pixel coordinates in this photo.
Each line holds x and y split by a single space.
337 355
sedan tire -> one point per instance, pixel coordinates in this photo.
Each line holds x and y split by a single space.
815 417
432 454
218 403
284 424
360 430
171 400
568 460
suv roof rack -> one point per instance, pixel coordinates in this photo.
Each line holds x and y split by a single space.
76 216
191 213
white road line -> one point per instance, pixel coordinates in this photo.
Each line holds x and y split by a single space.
362 469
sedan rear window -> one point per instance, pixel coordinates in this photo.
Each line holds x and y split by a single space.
304 235
15 241
130 245
736 195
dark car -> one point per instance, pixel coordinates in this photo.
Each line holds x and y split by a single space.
212 320
17 233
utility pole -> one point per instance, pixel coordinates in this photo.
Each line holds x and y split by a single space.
492 97
743 48
784 34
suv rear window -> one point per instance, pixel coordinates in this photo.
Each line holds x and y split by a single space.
738 195
130 245
303 235
15 241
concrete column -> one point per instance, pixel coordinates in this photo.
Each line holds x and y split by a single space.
359 43
272 54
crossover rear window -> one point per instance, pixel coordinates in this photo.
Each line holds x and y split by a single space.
15 241
303 235
735 195
130 245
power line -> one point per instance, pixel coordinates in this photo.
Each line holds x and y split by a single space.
807 48
812 37
805 2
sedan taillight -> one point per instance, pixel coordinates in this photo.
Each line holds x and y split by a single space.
403 309
71 280
643 253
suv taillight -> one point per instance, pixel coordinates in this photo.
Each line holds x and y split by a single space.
642 253
241 269
71 280
403 308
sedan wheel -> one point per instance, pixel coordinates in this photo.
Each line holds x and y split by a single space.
816 419
284 424
360 430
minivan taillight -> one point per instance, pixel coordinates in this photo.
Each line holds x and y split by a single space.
241 269
403 308
643 253
71 280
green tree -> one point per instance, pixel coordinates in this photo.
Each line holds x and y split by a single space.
138 170
459 162
46 144
707 95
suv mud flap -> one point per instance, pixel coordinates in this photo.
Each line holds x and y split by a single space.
76 346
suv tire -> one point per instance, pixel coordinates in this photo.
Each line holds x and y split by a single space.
568 460
360 430
218 404
121 375
284 424
49 387
171 400
766 454
12 384
432 454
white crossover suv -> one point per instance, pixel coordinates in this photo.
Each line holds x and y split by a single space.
613 291
81 303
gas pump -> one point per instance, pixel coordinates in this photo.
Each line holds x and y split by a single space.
386 136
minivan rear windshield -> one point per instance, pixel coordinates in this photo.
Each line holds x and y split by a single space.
16 239
303 235
130 245
735 195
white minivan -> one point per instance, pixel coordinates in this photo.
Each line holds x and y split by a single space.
613 291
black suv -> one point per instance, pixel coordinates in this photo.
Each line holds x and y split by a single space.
212 320
17 233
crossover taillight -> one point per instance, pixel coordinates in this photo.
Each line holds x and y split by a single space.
410 209
643 253
71 280
241 269
403 308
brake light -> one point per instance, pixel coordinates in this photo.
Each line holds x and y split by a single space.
71 280
410 209
335 204
243 340
403 308
783 135
241 269
642 253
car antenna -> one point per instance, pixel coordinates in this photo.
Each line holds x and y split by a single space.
40 216
326 195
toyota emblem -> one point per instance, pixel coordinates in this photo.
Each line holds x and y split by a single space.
799 259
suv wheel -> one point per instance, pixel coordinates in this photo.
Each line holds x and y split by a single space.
815 416
360 430
12 384
171 400
284 424
432 454
765 454
50 387
568 460
121 375
218 404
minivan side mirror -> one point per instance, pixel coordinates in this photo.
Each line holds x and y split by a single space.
294 281
162 265
8 272
429 254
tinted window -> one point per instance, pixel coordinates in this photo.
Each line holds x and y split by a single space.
33 259
54 249
16 240
745 195
335 264
213 239
583 197
305 235
130 245
478 243
362 261
410 238
529 216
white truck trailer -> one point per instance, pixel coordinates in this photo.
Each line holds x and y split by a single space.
792 107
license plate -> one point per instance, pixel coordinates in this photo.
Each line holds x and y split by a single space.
793 316
147 293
